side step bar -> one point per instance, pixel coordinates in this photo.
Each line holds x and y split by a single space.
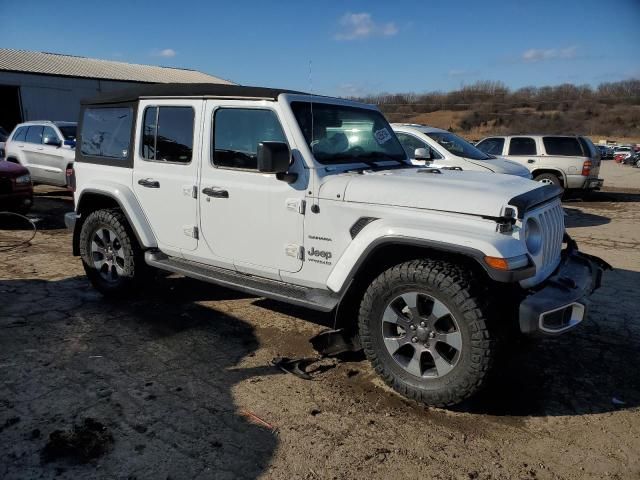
316 299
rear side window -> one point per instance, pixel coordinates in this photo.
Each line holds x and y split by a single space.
563 146
237 133
106 132
34 134
168 134
20 135
522 146
492 146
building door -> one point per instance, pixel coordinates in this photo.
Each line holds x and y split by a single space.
11 111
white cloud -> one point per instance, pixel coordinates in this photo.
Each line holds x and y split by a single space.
167 53
360 25
537 54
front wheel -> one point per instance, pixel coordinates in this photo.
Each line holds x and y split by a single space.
424 332
110 254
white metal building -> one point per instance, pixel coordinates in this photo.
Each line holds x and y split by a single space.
49 86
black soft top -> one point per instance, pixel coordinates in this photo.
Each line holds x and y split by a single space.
186 90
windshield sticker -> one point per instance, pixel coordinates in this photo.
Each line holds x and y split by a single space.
382 136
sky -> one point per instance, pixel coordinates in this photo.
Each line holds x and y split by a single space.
349 47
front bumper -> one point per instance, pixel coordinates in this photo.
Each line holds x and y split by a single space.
562 302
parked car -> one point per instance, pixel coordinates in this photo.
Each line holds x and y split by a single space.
633 159
606 152
46 148
3 138
441 148
568 161
313 201
621 153
16 190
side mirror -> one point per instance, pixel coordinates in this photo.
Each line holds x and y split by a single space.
273 157
70 143
53 142
422 154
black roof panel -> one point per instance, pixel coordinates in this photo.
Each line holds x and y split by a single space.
186 90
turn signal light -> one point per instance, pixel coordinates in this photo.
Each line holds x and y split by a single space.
497 263
586 168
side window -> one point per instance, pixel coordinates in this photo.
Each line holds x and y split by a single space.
522 146
563 146
20 135
34 134
492 146
50 137
168 134
410 143
237 133
106 132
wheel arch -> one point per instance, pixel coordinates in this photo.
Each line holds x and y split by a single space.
92 199
558 173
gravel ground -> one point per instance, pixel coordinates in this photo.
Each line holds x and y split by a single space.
179 377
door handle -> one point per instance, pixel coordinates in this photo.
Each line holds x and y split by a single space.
531 160
215 192
149 183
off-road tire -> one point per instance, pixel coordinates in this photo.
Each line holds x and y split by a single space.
452 286
134 266
550 178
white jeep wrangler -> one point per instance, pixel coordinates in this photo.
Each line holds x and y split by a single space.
312 200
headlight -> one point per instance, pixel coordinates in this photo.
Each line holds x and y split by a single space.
533 236
23 179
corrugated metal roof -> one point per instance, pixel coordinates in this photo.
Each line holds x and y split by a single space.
70 66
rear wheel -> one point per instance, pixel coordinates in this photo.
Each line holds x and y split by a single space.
111 256
548 179
423 330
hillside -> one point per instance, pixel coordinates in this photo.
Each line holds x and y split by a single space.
612 110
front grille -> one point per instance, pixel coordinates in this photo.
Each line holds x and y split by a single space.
550 218
552 224
5 186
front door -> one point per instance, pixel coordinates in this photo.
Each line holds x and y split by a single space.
166 161
51 157
246 217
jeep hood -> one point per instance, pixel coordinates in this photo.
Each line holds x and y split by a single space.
467 192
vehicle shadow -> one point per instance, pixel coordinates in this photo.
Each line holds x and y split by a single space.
590 370
157 370
575 218
609 195
49 207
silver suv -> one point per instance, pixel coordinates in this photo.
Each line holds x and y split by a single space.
567 161
46 148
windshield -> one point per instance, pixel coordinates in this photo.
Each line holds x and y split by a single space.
68 131
340 134
458 146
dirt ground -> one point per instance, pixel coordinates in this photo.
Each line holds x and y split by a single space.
180 378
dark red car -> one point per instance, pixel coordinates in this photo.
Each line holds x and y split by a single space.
16 189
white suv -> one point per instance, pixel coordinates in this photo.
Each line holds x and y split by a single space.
46 148
312 201
440 148
568 161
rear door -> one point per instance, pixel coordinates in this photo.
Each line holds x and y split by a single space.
165 172
524 150
30 153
